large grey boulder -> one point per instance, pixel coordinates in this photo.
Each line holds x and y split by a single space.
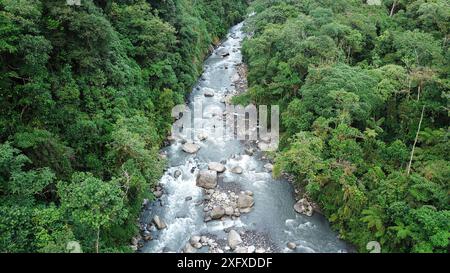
159 223
304 207
234 239
215 166
245 201
237 170
190 148
207 179
217 212
208 92
291 245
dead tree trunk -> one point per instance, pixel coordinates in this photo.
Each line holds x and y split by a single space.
393 8
408 171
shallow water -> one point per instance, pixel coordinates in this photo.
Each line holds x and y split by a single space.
272 222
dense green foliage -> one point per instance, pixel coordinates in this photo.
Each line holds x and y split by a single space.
85 98
363 89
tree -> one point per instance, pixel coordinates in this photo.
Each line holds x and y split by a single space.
92 202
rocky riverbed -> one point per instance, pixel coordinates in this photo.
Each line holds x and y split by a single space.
218 194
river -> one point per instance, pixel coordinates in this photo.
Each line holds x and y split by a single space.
272 222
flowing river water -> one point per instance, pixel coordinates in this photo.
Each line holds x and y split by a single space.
270 225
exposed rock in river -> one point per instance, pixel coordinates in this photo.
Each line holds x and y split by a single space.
207 179
245 201
234 239
202 136
304 207
291 245
208 92
177 173
237 170
217 213
159 223
268 167
215 166
191 148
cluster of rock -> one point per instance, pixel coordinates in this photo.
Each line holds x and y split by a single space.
236 244
156 223
222 205
197 242
239 80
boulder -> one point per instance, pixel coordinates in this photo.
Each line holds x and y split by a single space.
291 245
189 249
202 136
158 194
237 170
268 167
217 212
177 173
208 92
241 249
191 148
234 239
245 201
197 245
260 250
229 211
217 167
304 207
194 239
251 249
159 223
207 179
147 236
246 210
